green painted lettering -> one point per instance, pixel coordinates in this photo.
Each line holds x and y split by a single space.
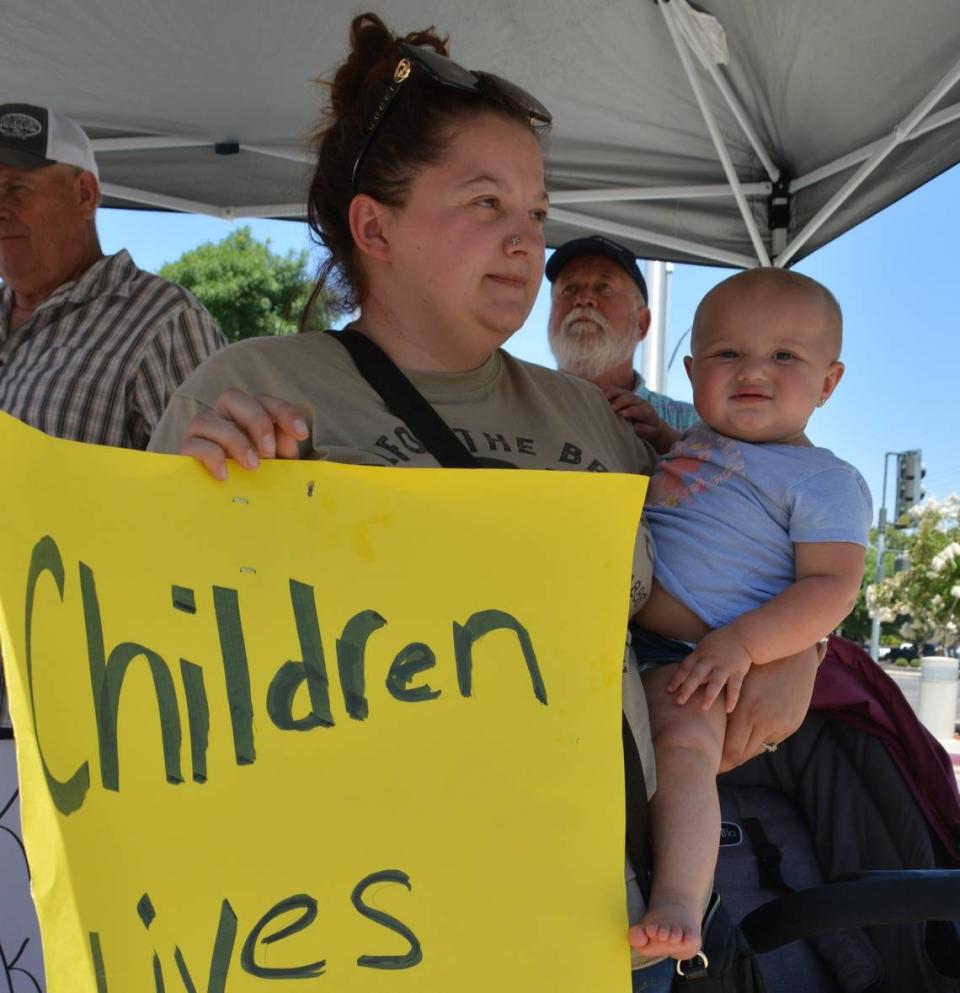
236 671
411 957
219 960
480 624
198 717
106 680
415 657
67 794
312 670
308 907
351 648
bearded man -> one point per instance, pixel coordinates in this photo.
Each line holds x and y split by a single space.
598 316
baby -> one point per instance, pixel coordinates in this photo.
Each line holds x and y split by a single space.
760 543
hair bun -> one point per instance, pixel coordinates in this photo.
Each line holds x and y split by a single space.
371 42
373 47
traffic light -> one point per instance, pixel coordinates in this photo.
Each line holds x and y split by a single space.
910 473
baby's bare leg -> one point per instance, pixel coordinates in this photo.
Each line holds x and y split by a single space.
685 818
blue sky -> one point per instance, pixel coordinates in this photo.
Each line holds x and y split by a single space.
896 279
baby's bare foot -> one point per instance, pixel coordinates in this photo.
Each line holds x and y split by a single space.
668 928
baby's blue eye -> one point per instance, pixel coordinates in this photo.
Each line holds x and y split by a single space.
783 356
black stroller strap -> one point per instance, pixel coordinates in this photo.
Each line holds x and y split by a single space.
6 730
768 857
864 900
404 400
638 813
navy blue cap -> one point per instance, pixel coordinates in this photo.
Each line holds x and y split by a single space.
597 245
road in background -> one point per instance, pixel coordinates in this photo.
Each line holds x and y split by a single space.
909 682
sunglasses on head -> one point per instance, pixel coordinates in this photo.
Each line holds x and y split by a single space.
446 72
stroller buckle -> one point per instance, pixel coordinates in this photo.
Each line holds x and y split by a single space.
696 966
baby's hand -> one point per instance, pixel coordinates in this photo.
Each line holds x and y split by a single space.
646 422
718 661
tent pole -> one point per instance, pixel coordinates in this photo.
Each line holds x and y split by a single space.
682 12
621 193
691 248
762 257
160 200
289 152
145 143
297 210
195 207
899 134
938 120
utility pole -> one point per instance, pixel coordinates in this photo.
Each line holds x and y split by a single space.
878 578
910 472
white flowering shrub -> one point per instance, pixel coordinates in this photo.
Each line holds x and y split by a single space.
925 597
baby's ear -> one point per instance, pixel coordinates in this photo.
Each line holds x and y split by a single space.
688 365
833 376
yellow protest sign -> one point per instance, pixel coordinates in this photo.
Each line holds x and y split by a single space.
322 726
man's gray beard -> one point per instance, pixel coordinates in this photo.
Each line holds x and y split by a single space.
590 349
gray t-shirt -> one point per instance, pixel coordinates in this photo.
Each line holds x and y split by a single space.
725 515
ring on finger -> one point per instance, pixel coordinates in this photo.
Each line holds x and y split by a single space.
769 746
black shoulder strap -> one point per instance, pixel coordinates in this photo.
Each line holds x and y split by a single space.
404 400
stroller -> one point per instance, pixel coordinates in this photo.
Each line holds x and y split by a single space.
840 852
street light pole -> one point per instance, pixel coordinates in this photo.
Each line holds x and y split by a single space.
881 547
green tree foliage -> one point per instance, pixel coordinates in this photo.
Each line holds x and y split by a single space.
924 598
248 288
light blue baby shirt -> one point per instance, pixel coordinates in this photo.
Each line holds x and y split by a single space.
725 515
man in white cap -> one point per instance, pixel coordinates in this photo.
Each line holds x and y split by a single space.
91 347
598 316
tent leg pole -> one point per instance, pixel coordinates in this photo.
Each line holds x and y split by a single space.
695 250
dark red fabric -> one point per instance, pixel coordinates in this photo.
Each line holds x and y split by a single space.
853 689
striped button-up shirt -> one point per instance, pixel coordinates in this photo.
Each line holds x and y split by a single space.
98 360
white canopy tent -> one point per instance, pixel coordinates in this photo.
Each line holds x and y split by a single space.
743 132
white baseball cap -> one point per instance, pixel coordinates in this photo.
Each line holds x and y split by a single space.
32 136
